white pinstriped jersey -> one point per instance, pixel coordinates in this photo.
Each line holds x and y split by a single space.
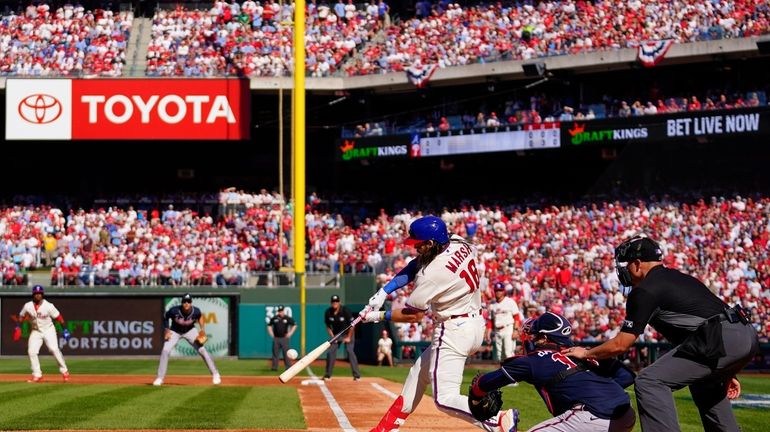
42 318
449 284
504 311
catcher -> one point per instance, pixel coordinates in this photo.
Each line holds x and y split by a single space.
183 319
582 396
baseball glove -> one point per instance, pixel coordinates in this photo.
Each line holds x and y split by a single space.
202 338
486 407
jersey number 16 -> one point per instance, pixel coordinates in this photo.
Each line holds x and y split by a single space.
471 275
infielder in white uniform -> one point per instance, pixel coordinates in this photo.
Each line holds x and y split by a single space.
446 280
505 317
41 313
385 349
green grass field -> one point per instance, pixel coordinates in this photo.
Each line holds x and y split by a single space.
99 406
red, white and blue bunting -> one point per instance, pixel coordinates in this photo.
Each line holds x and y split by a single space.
652 52
419 75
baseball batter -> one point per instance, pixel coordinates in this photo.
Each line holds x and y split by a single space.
446 280
183 319
505 314
41 313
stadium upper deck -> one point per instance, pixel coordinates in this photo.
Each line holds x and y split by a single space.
248 38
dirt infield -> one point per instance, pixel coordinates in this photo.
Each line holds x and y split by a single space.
362 402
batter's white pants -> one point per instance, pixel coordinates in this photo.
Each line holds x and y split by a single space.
36 339
442 366
578 420
505 346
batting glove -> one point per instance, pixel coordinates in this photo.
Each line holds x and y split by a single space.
66 334
378 300
373 317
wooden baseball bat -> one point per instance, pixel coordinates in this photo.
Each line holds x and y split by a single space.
304 362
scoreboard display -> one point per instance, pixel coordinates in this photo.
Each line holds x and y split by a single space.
543 135
529 137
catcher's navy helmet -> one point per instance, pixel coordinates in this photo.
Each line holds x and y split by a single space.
427 228
38 289
554 327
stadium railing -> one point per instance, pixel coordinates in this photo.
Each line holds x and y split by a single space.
263 279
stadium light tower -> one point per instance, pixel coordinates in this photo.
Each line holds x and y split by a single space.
298 153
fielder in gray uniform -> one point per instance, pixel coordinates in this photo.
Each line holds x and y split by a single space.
712 341
183 319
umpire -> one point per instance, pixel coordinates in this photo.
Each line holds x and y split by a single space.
280 328
338 317
712 341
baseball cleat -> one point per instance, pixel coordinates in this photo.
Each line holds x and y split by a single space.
35 379
216 379
508 420
65 376
158 382
327 378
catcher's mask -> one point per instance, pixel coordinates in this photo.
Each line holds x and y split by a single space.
554 327
640 248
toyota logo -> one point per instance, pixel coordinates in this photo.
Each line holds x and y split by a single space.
40 108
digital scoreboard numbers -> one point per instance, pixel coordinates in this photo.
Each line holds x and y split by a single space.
530 137
542 135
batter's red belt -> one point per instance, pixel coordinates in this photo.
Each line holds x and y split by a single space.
467 315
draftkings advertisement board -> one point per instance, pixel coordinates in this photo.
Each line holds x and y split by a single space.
734 123
216 317
99 326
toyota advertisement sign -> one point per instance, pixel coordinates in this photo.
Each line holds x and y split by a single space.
64 109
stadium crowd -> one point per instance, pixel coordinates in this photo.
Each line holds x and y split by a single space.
542 108
255 38
548 258
67 41
561 258
447 34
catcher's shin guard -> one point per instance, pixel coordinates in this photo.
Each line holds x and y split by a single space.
392 419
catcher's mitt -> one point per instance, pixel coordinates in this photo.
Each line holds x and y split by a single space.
202 338
486 407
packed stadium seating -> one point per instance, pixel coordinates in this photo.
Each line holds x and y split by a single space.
456 35
67 41
253 39
555 258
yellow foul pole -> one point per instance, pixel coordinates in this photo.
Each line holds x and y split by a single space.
298 96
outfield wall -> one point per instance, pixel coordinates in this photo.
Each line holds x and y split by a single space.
126 321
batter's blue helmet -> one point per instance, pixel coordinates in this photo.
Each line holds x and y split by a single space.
38 289
427 228
554 327
499 286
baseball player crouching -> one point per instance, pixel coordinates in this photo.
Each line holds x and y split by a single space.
446 280
183 319
41 313
582 395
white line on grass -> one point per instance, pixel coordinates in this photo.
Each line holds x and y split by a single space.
342 419
384 391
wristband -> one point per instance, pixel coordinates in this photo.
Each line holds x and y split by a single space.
387 315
